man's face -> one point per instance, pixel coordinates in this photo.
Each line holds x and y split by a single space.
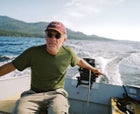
54 41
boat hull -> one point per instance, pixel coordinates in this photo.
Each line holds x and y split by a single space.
82 99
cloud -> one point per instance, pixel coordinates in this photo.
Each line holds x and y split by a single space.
83 8
77 12
80 8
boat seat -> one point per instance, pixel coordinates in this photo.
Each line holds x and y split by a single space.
116 110
7 105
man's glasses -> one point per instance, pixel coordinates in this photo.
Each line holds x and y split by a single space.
50 35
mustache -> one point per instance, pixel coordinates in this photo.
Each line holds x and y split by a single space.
51 43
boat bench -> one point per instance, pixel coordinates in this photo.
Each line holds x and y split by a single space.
7 105
116 110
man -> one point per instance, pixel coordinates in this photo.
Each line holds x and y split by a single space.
48 65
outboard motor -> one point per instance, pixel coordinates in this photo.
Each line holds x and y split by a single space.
85 74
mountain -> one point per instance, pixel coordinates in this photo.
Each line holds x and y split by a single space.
17 28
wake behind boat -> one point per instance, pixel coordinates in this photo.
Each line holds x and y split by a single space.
85 95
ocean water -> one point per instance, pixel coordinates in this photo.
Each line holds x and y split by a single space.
118 60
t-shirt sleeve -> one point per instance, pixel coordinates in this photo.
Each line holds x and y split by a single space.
74 59
23 61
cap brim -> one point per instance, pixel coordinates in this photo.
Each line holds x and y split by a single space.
54 29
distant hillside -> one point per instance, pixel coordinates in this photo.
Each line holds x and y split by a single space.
17 28
8 26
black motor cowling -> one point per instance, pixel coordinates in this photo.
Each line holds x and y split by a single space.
85 73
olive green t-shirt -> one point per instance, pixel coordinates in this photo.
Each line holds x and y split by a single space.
47 71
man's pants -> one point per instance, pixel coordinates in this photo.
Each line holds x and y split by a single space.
52 102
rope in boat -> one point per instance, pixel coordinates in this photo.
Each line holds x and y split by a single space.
89 90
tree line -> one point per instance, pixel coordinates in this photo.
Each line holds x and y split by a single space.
17 34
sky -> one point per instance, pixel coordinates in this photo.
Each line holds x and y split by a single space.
114 19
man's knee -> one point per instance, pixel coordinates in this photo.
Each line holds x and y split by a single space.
25 106
59 105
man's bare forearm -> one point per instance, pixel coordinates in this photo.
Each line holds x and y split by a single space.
82 63
7 68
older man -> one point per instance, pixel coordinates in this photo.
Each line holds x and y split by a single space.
49 64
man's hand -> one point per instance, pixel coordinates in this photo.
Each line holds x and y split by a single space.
97 71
